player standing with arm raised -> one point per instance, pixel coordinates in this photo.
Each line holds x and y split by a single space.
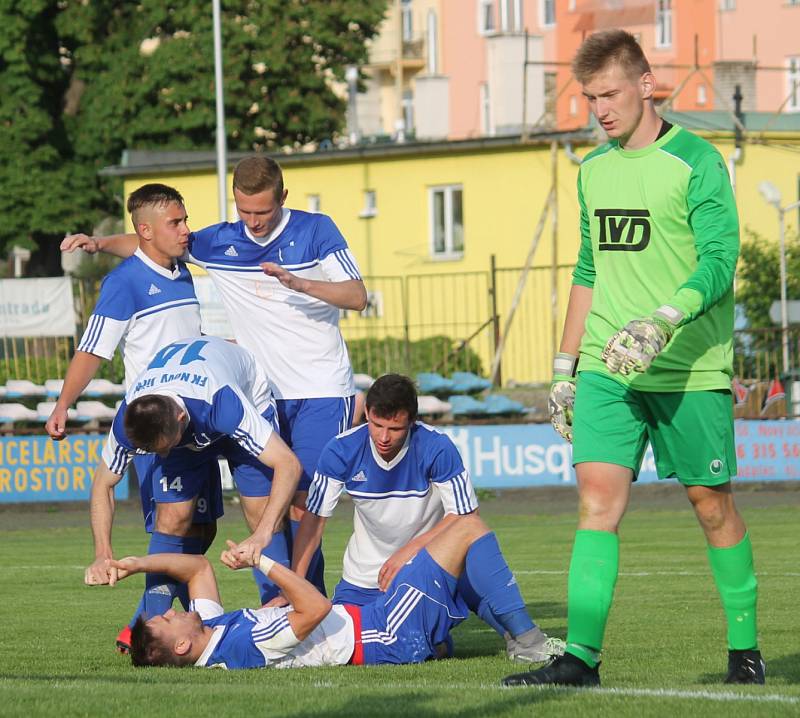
651 318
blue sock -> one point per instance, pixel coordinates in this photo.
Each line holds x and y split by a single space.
161 590
491 579
278 551
476 605
316 568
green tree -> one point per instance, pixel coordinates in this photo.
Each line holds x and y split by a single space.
759 276
82 81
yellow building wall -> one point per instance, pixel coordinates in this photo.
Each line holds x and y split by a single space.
504 192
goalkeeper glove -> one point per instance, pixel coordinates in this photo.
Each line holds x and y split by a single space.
634 347
562 394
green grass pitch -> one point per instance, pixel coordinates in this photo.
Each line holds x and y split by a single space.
664 656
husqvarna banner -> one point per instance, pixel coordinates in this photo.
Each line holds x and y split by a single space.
518 455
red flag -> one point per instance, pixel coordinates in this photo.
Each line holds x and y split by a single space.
740 391
774 393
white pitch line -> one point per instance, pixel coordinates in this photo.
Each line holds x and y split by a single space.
538 572
666 693
519 572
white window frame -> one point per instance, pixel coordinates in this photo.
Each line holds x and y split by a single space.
725 5
486 12
370 204
511 15
407 106
406 20
432 30
487 126
448 191
544 5
702 95
664 23
314 203
793 84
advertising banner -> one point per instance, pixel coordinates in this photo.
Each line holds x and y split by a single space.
518 455
36 468
36 307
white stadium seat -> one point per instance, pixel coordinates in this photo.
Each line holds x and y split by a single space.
363 381
53 387
45 408
94 410
10 413
429 405
16 388
103 387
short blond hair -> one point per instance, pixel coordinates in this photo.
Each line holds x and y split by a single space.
608 47
257 173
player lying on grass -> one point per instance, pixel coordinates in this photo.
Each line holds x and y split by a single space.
403 625
408 483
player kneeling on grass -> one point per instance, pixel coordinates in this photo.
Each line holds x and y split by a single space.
404 625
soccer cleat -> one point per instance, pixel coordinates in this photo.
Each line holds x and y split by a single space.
566 670
124 640
745 667
534 646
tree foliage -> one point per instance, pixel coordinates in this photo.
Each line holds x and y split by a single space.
82 80
758 276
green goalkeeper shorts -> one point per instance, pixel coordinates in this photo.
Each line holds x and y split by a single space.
691 432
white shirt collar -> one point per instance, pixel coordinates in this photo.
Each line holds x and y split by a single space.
210 646
274 234
163 271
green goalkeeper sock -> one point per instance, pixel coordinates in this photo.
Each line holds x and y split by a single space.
592 577
736 580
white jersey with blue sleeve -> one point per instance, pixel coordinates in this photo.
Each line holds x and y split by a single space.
263 638
394 501
221 387
142 307
294 336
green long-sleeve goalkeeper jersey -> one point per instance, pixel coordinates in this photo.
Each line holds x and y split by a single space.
659 226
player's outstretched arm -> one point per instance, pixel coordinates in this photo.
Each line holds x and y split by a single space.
349 294
287 470
101 512
120 245
80 371
195 571
309 606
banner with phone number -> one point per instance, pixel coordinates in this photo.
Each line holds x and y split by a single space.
35 468
520 455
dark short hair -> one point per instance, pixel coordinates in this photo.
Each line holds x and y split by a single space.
608 47
391 394
147 650
148 419
257 173
153 195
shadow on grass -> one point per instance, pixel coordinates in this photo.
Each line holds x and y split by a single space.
406 703
784 668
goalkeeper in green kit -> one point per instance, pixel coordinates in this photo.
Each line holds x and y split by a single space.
646 352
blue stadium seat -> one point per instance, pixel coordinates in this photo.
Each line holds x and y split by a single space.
433 383
498 404
461 405
465 382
